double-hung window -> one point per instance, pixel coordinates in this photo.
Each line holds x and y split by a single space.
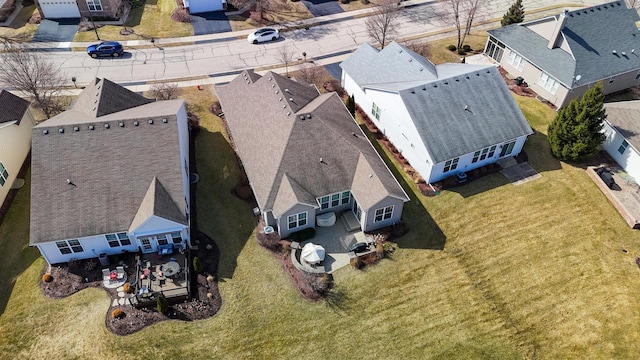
450 165
623 147
383 213
375 110
297 220
334 200
119 239
94 5
548 83
69 246
516 61
4 174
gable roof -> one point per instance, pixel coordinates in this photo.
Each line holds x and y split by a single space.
591 34
104 97
110 170
462 108
624 116
12 107
295 143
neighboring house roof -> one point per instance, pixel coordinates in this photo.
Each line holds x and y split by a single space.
624 116
459 109
12 107
591 34
119 175
297 145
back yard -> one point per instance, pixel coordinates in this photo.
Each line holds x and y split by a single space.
530 271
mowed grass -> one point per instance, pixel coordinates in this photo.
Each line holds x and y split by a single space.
530 271
153 20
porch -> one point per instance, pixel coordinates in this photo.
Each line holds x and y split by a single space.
156 274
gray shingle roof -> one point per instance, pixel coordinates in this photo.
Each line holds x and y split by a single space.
591 35
281 152
436 104
104 97
12 107
111 170
624 116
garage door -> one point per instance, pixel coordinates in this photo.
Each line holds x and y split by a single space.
59 9
200 6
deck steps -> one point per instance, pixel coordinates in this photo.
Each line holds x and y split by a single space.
349 221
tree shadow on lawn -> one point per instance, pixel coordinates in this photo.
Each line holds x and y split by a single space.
423 233
225 218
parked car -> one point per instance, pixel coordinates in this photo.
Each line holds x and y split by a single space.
359 247
105 48
262 35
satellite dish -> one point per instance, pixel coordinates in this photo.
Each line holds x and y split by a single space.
578 77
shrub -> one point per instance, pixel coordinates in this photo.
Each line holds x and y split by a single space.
452 47
379 250
467 48
356 262
180 14
162 304
345 1
302 235
365 2
462 52
126 288
117 314
215 108
197 265
47 278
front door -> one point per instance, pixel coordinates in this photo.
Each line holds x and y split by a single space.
148 244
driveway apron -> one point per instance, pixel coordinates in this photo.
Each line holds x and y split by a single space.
58 30
210 23
322 7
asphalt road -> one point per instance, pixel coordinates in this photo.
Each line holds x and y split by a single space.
216 59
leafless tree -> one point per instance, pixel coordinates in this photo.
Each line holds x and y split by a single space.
463 13
313 74
285 54
32 73
418 47
165 91
383 21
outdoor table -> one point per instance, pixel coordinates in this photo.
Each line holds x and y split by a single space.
113 275
171 268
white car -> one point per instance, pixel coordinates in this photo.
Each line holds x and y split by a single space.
262 35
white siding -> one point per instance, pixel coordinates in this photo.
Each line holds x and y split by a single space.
93 246
369 214
183 134
283 227
15 144
629 160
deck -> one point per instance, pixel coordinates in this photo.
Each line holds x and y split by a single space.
154 276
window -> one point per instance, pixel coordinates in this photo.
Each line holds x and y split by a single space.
67 247
146 244
334 200
375 110
94 5
548 83
119 239
450 165
612 79
4 175
494 49
162 239
492 151
623 147
383 213
297 220
507 148
176 238
516 61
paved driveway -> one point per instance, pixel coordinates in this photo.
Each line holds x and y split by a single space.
210 23
322 7
58 30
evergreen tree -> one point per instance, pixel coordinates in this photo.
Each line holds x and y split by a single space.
514 15
162 304
576 132
351 105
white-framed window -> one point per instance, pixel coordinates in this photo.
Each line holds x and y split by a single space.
494 49
333 200
94 5
162 239
69 246
383 213
375 110
623 147
4 174
297 220
146 244
548 83
516 61
176 238
484 153
450 165
612 79
118 239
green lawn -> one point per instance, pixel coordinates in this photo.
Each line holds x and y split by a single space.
530 271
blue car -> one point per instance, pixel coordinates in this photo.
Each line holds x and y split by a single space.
105 48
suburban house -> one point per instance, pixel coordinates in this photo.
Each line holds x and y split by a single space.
305 155
16 123
561 56
90 9
110 175
444 119
200 6
622 131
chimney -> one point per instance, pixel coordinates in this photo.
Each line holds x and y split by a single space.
557 31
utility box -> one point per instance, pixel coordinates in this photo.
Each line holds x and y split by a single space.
104 259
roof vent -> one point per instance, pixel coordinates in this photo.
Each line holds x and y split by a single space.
291 99
446 83
421 69
150 121
413 91
270 78
45 132
277 91
301 117
287 90
121 124
164 120
410 60
457 80
76 129
273 85
424 88
279 99
308 116
614 52
633 51
61 130
91 127
288 113
435 85
284 106
106 126
624 53
135 123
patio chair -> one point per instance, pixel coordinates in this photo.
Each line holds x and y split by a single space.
120 274
106 275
